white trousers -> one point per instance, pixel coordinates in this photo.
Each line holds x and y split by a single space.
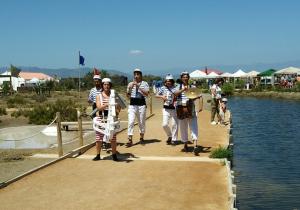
140 113
169 115
222 115
189 123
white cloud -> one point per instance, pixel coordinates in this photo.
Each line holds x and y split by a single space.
135 52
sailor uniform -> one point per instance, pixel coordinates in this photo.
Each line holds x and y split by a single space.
102 116
169 112
137 107
187 123
92 97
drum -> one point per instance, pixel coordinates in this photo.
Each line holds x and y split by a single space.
186 111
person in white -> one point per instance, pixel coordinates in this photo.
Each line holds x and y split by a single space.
167 94
223 109
94 92
187 120
137 91
215 100
102 103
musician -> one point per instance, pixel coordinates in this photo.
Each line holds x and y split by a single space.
102 103
94 92
137 91
167 94
186 112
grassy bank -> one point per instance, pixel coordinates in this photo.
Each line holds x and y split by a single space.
270 94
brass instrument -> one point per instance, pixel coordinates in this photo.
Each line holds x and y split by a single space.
192 93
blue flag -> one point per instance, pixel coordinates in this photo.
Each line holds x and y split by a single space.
81 60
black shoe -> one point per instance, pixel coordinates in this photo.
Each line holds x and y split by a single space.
96 158
173 143
142 141
115 158
185 148
129 143
196 151
169 140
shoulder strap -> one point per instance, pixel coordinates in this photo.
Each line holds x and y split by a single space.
169 90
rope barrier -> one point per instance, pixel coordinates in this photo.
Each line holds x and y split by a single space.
22 139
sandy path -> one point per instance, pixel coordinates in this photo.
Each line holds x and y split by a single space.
78 183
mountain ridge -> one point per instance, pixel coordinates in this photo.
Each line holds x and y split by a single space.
74 72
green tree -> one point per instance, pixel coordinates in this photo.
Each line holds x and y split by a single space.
68 83
50 84
15 71
5 87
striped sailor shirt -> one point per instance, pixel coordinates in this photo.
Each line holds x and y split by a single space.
169 93
182 99
136 95
93 93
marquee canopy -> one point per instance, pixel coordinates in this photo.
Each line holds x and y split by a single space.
289 70
197 74
267 73
252 74
239 73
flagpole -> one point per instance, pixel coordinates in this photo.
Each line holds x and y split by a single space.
79 77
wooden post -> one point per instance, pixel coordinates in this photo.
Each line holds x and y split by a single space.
80 136
150 104
59 137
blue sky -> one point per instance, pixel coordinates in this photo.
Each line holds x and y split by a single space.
154 35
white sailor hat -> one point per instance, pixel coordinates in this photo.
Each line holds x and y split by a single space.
96 77
106 80
137 70
169 77
184 73
224 99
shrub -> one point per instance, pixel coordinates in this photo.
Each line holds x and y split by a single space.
43 114
227 89
222 152
16 100
3 111
16 114
39 98
240 84
257 88
297 86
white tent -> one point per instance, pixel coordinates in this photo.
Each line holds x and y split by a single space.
289 70
226 74
252 74
239 73
197 74
212 75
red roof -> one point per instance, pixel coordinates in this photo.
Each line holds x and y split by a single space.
207 71
31 75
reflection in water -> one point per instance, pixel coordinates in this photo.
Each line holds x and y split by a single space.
266 134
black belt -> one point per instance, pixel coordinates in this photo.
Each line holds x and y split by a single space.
169 107
137 101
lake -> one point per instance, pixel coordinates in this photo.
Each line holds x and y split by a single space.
266 134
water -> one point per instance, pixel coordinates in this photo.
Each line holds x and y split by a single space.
266 135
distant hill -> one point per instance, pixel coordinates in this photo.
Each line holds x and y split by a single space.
64 72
